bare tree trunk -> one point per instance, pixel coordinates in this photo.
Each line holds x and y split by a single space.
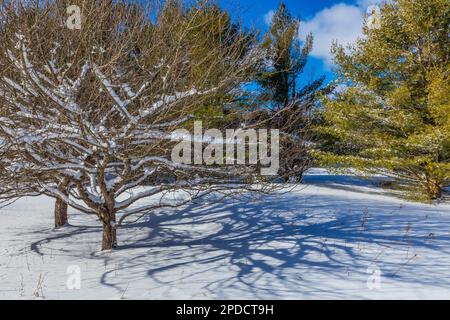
434 189
61 207
61 217
109 240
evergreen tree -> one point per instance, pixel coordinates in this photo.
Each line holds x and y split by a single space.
285 104
392 114
286 61
204 34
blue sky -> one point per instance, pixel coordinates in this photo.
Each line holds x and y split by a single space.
328 20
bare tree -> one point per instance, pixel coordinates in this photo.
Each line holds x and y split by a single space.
87 115
12 186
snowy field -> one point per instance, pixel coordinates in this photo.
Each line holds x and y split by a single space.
335 237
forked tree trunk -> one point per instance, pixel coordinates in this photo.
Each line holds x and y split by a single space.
109 240
61 217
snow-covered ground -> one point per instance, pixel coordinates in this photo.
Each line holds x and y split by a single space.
335 237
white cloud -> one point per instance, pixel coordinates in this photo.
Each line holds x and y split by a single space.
341 22
268 17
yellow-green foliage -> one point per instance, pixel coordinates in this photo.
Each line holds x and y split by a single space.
392 114
208 42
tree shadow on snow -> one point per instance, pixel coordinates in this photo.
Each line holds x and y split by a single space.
280 239
268 245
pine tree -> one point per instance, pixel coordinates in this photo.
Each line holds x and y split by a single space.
392 114
285 103
287 58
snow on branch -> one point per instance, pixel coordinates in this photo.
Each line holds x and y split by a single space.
104 121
